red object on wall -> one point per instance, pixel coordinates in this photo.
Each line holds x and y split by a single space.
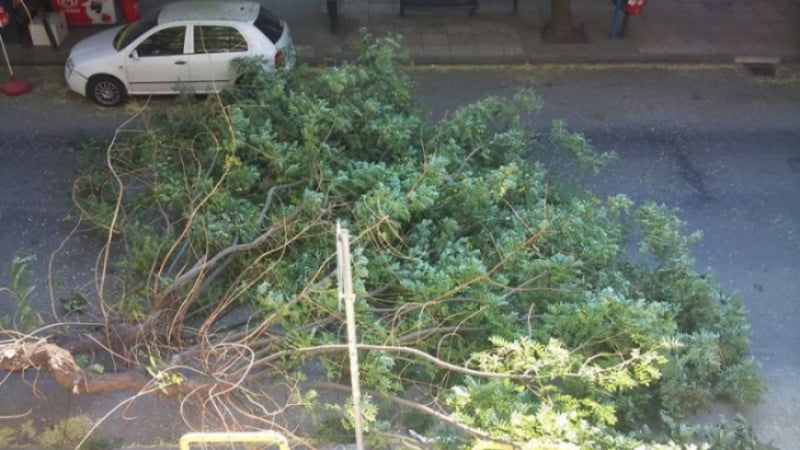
634 7
130 10
5 19
87 12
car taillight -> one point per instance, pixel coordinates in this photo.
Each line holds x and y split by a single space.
280 58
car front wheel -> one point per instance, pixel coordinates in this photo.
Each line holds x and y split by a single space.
106 90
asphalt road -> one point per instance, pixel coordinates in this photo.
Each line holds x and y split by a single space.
716 142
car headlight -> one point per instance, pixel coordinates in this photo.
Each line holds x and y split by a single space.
69 67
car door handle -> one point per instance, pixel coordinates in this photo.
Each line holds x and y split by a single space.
180 63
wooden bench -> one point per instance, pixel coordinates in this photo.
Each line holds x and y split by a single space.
471 5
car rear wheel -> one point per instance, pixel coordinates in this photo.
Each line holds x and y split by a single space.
106 90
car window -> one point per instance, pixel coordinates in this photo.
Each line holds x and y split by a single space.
168 41
130 32
218 39
271 26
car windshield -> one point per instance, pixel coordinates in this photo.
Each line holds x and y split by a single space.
130 32
270 25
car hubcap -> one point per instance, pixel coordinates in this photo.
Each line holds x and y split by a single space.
107 92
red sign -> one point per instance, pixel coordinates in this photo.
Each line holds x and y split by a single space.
85 12
5 19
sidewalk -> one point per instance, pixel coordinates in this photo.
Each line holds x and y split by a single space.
667 31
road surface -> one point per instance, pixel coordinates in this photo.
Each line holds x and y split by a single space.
716 142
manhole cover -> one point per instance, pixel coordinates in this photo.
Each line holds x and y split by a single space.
762 69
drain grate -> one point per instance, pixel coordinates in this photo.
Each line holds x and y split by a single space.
766 70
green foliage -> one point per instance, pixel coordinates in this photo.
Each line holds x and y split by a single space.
713 329
463 248
733 435
74 304
163 378
66 434
416 421
25 318
331 430
16 436
562 396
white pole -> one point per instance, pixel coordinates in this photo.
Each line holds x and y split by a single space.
5 55
346 295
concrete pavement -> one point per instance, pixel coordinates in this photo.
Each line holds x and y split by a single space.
667 31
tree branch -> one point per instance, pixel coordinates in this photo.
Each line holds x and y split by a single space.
16 356
115 337
474 432
204 264
271 194
321 349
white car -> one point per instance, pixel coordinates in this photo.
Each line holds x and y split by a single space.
182 46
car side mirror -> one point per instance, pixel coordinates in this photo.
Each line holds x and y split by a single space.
134 54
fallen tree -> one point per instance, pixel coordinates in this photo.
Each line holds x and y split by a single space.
494 300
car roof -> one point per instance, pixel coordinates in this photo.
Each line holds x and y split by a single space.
234 10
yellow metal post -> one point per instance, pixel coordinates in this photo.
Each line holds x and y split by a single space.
234 437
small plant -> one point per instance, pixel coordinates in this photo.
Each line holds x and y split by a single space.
74 304
70 434
164 378
25 317
16 436
65 434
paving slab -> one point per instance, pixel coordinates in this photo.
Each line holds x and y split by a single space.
667 31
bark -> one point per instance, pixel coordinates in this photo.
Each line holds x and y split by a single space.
21 355
561 30
18 356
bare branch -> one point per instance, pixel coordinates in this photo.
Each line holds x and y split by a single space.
205 264
419 407
333 348
422 335
116 338
271 194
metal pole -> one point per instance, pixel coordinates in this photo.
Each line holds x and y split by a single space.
5 55
224 437
346 295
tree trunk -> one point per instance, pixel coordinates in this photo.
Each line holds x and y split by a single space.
18 356
561 30
333 14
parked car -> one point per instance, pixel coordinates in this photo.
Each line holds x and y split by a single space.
182 46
